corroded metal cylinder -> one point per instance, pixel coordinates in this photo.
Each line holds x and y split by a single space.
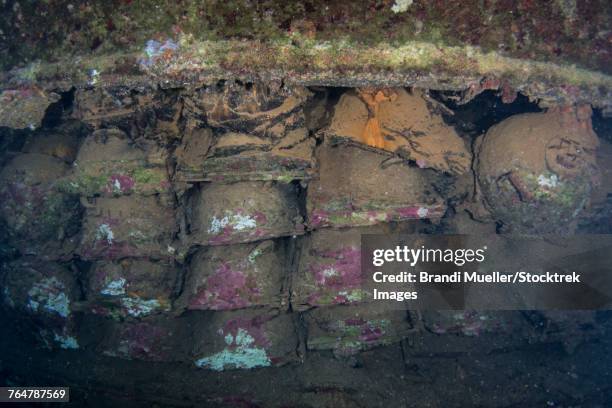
537 170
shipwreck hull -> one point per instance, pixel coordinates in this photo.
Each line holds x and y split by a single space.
181 207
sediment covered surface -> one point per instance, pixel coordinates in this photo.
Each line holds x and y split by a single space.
202 246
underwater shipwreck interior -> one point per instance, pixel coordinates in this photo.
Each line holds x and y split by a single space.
184 187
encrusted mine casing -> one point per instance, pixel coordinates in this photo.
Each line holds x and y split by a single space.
39 219
143 111
265 110
128 226
537 170
238 157
44 292
159 338
110 164
242 212
260 134
244 339
360 187
347 330
130 287
329 271
237 276
395 120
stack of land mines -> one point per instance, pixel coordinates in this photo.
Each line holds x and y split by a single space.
221 226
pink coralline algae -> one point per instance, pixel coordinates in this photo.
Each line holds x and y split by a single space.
119 184
318 218
226 289
344 273
356 334
260 218
337 282
416 212
369 332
